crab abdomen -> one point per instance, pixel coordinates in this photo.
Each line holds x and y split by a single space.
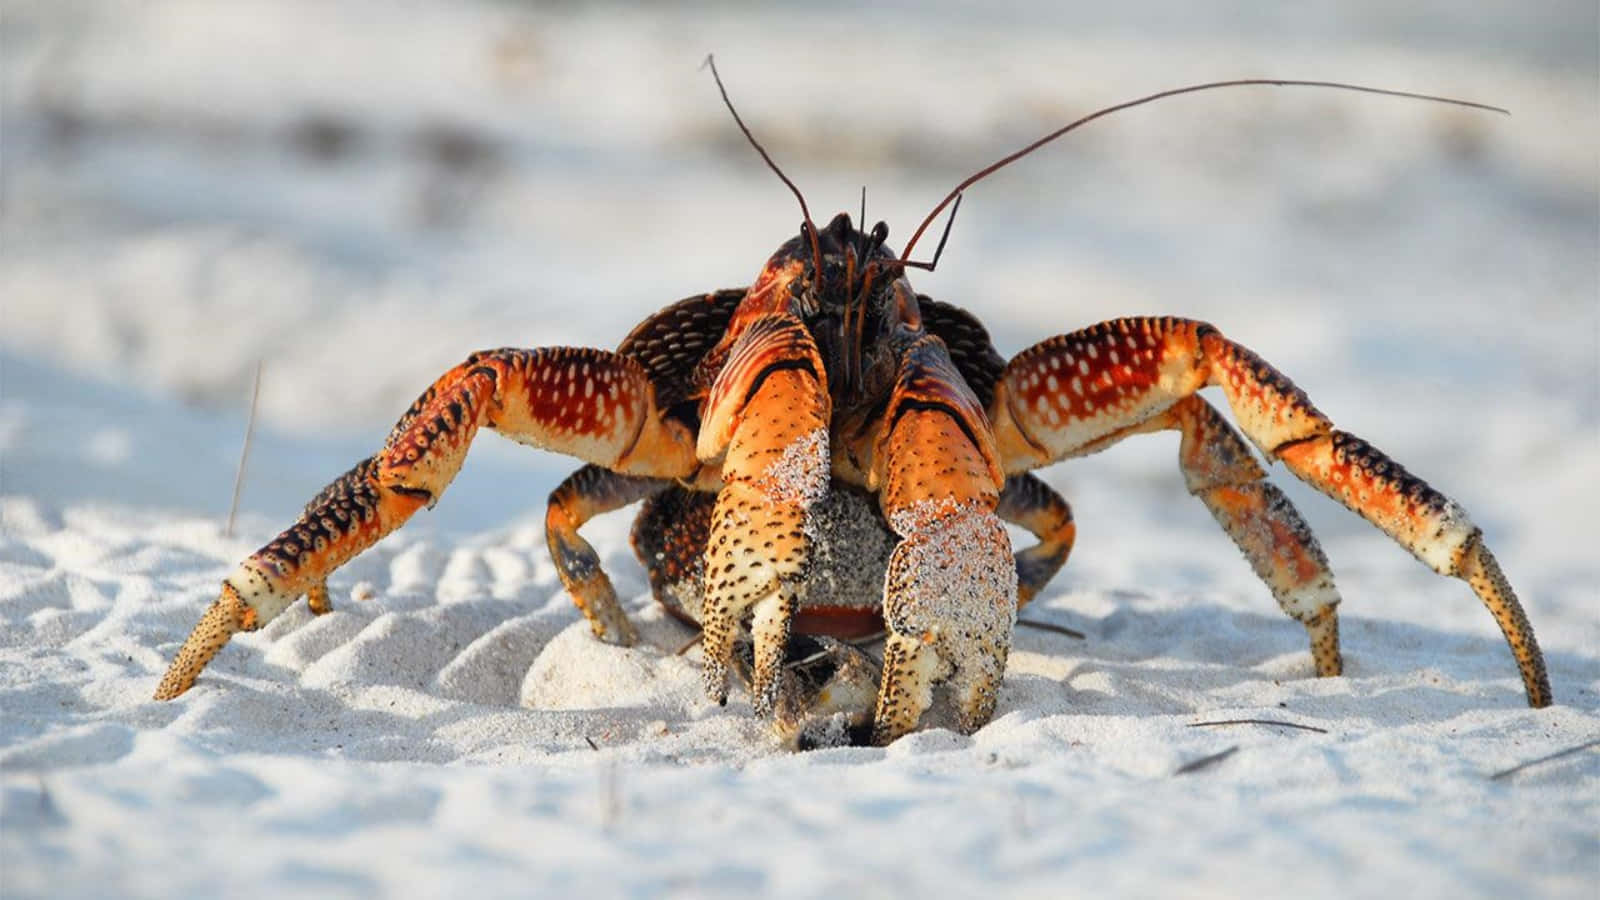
841 594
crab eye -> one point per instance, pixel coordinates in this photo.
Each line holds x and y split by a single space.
880 232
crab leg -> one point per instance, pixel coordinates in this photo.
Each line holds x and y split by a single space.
1220 470
587 493
950 596
591 404
1078 393
767 421
1034 505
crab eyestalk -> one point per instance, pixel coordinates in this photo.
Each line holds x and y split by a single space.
228 616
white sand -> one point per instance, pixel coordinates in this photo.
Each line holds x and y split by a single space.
1427 275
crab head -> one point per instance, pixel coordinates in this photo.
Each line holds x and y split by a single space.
851 292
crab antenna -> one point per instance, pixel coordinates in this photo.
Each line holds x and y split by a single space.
811 227
938 251
861 223
985 172
948 224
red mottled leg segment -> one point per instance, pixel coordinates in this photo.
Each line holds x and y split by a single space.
767 421
595 405
1081 392
1034 505
1076 394
587 493
950 596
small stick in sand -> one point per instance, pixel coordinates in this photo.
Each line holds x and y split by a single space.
1205 762
244 453
1507 773
689 644
1259 722
1053 628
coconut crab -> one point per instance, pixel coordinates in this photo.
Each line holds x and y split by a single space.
827 450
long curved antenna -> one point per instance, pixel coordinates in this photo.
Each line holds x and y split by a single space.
985 172
811 227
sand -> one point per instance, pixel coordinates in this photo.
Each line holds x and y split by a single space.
360 195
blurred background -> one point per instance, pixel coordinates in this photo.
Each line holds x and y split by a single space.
358 193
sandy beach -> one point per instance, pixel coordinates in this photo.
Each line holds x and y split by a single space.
355 195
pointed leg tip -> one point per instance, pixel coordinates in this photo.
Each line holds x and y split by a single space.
317 598
1478 567
1539 695
224 618
170 687
716 683
597 600
618 633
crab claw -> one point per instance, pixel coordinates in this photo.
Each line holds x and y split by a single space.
950 605
226 617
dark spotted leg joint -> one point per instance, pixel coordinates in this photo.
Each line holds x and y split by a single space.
1034 505
1433 527
597 406
585 494
1279 417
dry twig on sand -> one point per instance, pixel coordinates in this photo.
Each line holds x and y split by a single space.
1507 773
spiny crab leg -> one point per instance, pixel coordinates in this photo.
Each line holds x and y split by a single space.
592 404
227 616
1081 392
586 493
1034 505
1221 472
346 517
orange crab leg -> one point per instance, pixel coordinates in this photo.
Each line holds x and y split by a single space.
1078 393
591 404
1277 542
1034 505
586 493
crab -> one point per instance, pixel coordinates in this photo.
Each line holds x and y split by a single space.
827 453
